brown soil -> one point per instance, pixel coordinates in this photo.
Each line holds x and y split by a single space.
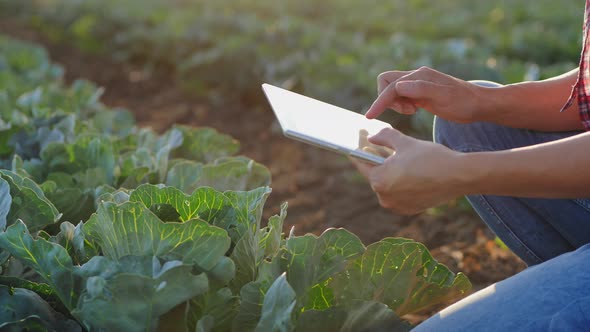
322 188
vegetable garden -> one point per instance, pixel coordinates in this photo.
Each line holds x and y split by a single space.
193 241
111 225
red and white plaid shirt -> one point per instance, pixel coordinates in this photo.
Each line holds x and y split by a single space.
582 88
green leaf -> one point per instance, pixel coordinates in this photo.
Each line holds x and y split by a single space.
205 203
320 296
117 122
28 203
400 274
246 259
133 177
112 294
252 296
43 290
277 308
246 213
132 229
49 260
310 260
30 99
6 135
4 256
153 151
251 301
252 248
132 293
32 168
271 236
61 179
91 178
118 196
235 173
79 188
172 139
5 203
75 204
29 324
235 212
358 316
72 238
165 212
205 324
87 152
217 308
24 310
17 165
222 273
184 175
204 144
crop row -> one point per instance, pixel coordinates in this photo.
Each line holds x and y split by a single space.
105 226
332 51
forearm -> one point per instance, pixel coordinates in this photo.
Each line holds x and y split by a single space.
532 105
558 169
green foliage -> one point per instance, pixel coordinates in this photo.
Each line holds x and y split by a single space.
5 202
311 260
392 262
363 316
277 307
117 228
331 50
28 202
132 229
24 310
78 149
51 261
134 292
149 265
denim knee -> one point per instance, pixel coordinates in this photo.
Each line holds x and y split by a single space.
444 132
460 137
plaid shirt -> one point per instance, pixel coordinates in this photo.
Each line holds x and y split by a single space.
582 88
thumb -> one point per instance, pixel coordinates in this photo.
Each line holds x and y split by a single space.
419 90
388 137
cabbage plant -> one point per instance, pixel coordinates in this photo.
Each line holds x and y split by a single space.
105 226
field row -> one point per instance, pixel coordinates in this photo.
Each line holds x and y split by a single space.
105 226
332 51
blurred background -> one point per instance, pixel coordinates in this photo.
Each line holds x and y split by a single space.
201 62
331 50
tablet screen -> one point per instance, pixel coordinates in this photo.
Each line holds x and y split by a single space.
302 116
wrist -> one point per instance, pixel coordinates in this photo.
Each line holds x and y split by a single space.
473 169
487 101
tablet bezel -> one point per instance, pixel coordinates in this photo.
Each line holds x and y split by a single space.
331 146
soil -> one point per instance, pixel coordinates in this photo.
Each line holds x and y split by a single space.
323 189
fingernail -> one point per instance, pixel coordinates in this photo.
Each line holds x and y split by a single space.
368 115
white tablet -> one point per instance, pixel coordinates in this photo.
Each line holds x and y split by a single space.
324 125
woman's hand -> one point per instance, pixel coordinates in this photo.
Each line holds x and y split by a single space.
443 95
419 175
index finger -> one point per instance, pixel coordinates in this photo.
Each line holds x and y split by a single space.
388 77
382 102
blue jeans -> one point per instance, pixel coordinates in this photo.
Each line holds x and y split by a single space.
551 234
